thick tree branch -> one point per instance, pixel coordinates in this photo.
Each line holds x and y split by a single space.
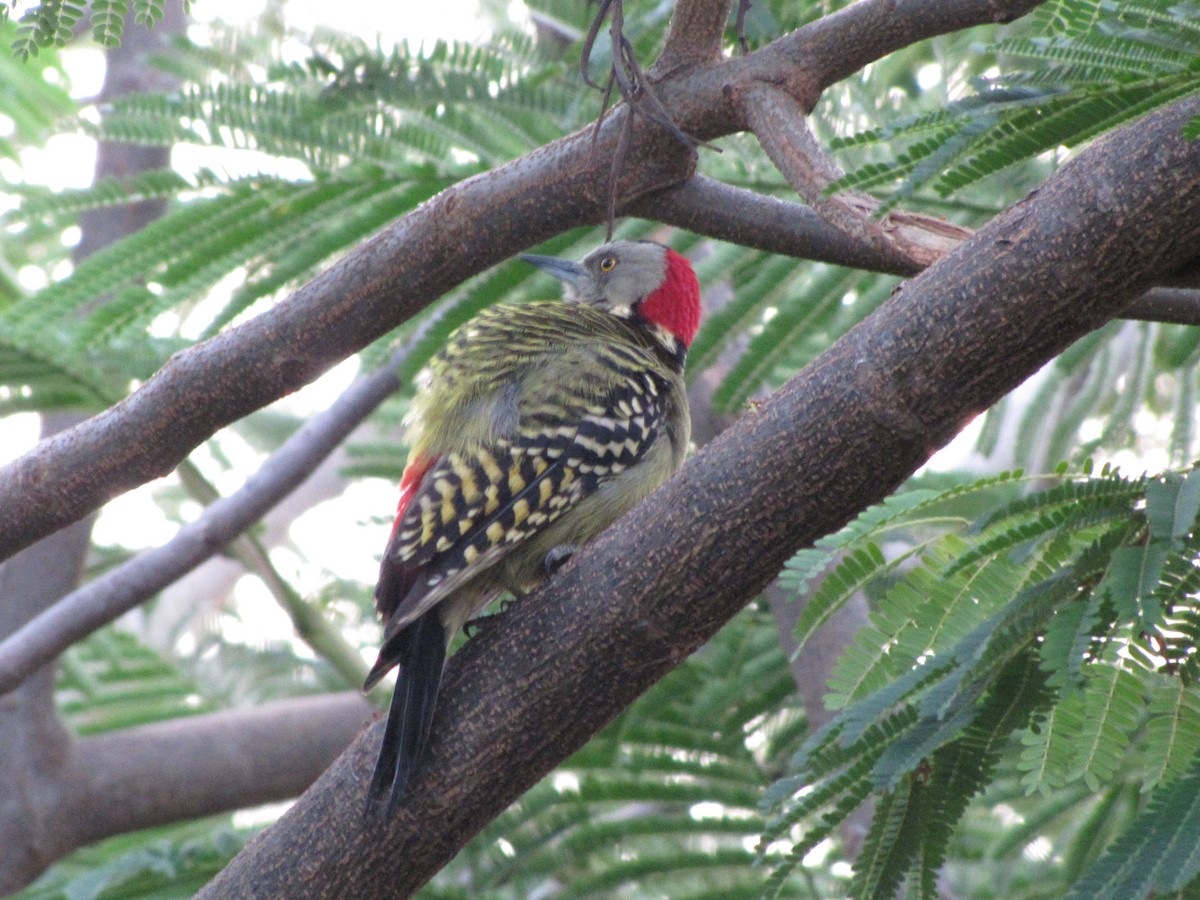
522 696
196 766
460 232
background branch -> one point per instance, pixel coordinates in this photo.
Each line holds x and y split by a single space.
308 619
1175 306
190 767
779 123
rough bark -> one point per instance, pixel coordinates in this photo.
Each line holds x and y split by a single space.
201 765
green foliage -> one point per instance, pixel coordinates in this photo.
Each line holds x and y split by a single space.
111 680
29 97
351 104
1158 853
367 138
1048 640
1089 67
50 23
170 863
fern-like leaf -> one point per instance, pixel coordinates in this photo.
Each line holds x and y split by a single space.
1086 73
1160 851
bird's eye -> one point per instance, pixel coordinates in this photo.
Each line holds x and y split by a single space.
608 263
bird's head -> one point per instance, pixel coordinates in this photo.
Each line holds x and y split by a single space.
638 280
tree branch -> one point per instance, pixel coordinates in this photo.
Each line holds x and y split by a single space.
31 732
704 206
1174 306
463 230
200 765
779 123
522 696
820 51
308 619
694 36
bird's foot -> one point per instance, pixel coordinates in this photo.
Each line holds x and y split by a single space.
557 558
472 626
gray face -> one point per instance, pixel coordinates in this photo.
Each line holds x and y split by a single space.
614 276
621 273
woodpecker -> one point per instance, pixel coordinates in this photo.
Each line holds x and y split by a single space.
536 427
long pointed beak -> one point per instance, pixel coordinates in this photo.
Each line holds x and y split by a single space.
564 269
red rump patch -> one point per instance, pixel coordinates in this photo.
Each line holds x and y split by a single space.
409 481
675 304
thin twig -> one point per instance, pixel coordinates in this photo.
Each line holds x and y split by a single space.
620 154
589 42
740 25
648 103
779 122
633 86
605 98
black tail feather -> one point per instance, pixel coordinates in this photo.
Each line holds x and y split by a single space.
421 650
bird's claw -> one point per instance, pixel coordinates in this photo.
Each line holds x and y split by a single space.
472 626
479 623
557 558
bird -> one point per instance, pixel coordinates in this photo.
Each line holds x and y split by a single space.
532 430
